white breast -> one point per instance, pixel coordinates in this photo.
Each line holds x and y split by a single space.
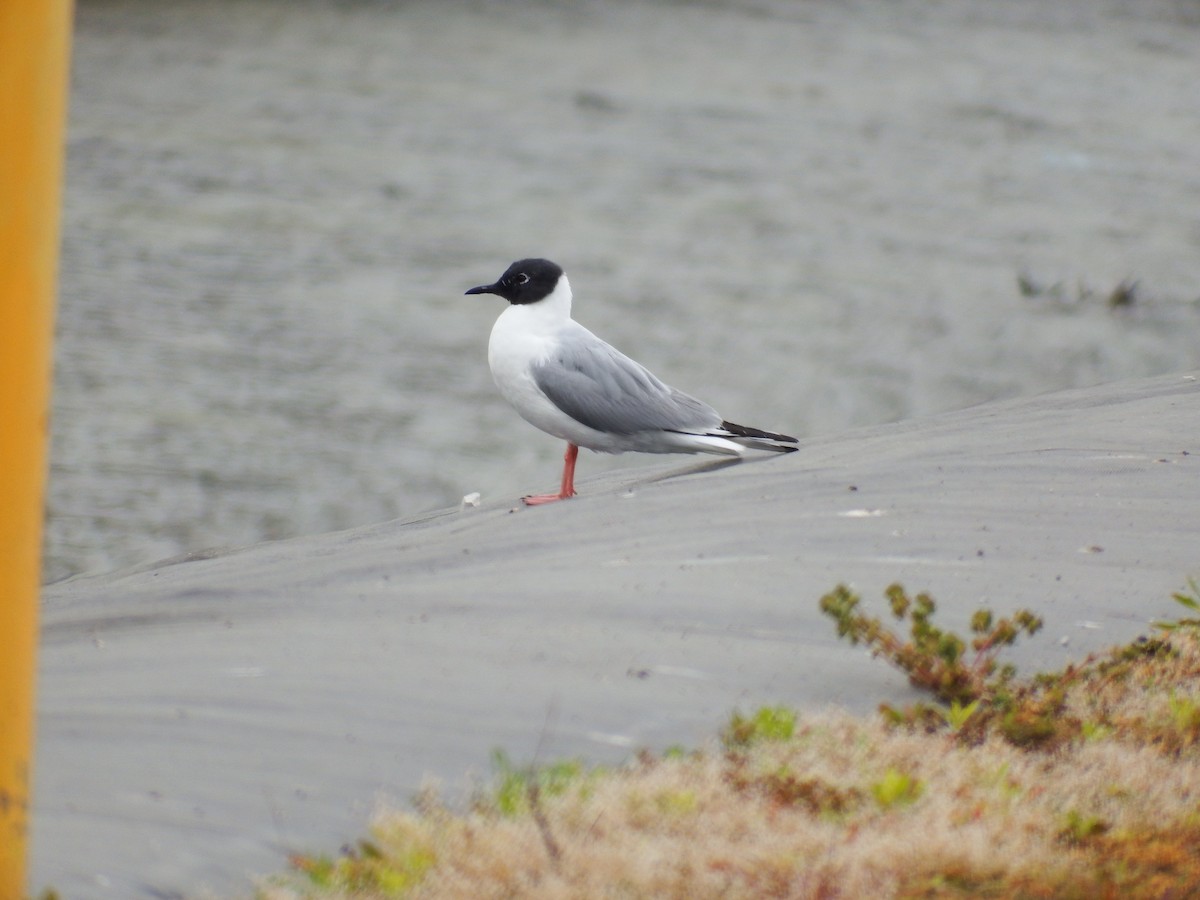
513 350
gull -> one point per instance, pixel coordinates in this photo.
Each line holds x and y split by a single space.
563 379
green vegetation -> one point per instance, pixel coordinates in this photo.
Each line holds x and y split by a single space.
1076 784
972 688
518 789
977 698
896 789
768 723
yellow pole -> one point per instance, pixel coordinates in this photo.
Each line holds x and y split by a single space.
34 46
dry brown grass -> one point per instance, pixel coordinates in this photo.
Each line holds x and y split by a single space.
843 807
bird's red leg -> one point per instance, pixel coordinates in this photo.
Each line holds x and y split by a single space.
568 481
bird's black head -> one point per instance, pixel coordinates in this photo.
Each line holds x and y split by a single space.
525 281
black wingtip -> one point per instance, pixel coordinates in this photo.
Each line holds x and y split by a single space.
748 432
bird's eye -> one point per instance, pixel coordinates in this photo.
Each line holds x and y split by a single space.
522 278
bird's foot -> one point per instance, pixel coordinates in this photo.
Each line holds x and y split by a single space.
539 499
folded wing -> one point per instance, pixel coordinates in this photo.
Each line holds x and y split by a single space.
600 387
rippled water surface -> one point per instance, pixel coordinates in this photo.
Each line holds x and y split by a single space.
812 215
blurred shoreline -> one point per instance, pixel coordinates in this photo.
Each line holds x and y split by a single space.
814 216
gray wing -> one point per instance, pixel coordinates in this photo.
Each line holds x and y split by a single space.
599 386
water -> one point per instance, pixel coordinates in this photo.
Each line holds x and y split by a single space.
811 215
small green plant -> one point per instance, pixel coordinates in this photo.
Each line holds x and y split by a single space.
932 658
1078 828
517 785
675 803
1187 601
390 871
1185 713
519 791
963 676
1095 731
896 788
1002 780
317 869
957 715
768 723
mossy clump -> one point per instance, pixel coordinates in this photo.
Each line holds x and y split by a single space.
975 697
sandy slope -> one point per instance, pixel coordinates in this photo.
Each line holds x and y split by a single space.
200 716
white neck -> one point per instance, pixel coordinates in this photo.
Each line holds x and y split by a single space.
525 332
544 317
557 304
